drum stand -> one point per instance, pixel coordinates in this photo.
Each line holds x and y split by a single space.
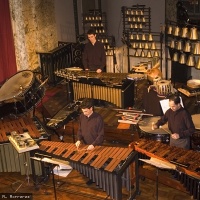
135 91
68 88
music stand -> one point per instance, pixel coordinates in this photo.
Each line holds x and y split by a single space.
52 163
159 164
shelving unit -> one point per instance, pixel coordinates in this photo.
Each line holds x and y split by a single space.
137 34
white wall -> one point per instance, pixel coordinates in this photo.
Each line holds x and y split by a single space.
65 20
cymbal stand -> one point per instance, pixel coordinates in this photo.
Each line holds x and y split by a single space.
15 108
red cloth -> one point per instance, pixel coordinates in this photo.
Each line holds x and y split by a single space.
8 66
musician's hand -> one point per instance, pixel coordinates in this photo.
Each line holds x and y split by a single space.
78 143
99 71
175 136
153 126
90 147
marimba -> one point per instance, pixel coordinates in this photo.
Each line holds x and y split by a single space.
108 167
187 162
10 159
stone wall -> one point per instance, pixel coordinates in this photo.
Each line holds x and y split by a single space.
34 30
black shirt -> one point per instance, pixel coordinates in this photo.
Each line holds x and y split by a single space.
94 56
91 129
180 122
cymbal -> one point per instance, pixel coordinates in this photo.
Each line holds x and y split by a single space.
74 69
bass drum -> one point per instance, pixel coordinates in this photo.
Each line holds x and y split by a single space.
161 134
20 93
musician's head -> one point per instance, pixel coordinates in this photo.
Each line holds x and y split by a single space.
87 106
174 102
91 34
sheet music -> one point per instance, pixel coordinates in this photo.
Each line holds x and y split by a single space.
62 168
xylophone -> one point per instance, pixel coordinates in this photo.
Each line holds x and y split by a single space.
10 159
108 167
187 162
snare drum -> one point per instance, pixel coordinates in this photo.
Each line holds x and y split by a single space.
135 76
160 134
163 87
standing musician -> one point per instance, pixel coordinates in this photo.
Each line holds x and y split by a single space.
179 122
91 126
94 56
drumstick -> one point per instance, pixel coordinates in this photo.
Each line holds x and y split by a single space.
160 128
165 129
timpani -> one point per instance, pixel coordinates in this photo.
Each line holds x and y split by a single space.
160 134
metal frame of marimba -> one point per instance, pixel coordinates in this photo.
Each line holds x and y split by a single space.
109 167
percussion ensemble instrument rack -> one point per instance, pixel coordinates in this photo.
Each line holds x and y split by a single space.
187 162
109 167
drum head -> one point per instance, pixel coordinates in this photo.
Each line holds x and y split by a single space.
17 85
146 126
135 76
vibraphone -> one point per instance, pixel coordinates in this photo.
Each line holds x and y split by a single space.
10 159
109 167
186 161
112 87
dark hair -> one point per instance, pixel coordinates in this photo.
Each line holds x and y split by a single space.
87 103
175 98
91 32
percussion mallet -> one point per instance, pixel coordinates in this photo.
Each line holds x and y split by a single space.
164 129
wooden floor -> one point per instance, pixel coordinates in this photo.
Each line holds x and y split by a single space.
74 185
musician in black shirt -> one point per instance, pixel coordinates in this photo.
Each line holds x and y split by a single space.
94 56
91 126
179 121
